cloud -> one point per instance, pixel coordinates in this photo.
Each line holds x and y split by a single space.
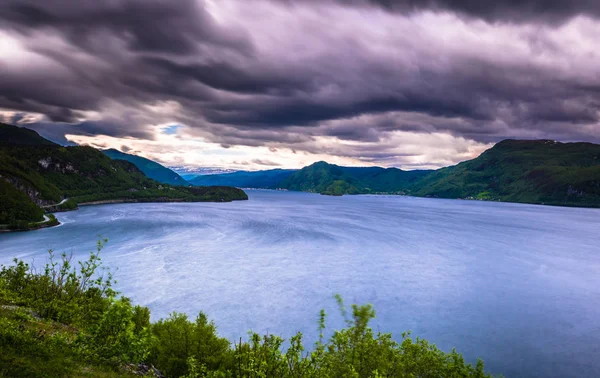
268 163
500 10
328 78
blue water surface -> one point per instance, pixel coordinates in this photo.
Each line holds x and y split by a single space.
516 285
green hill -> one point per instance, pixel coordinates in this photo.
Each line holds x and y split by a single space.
320 177
48 173
528 171
18 136
325 178
538 171
150 168
535 171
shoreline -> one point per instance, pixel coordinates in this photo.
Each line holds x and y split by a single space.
45 223
384 194
54 222
48 222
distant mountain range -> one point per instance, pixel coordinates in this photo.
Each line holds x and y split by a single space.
528 171
331 179
191 172
150 168
268 179
37 175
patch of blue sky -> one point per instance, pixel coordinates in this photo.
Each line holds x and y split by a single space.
171 129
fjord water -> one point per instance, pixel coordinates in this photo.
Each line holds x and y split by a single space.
517 285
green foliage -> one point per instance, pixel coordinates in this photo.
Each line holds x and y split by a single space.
68 205
16 136
351 352
67 321
35 173
331 179
176 340
23 225
31 348
117 336
539 171
68 293
150 168
17 206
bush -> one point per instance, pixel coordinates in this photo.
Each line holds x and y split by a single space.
117 338
63 292
68 321
176 339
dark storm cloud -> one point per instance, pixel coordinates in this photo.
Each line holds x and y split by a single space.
56 131
297 70
114 41
146 25
225 76
498 10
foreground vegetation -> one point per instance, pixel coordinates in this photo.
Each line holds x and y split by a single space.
67 320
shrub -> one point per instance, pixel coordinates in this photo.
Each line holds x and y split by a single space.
103 331
63 292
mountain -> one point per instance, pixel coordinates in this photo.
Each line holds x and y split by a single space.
150 168
320 177
268 179
528 171
190 172
325 178
47 174
536 171
18 136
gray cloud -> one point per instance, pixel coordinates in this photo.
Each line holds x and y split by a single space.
500 10
479 71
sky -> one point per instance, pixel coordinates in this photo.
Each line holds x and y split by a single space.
262 84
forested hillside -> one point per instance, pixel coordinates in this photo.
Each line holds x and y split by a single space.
325 178
150 168
47 174
527 171
538 171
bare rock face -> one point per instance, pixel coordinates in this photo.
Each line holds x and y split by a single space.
144 370
45 162
31 192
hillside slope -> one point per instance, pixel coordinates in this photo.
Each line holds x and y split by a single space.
325 178
538 171
16 136
150 168
48 173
